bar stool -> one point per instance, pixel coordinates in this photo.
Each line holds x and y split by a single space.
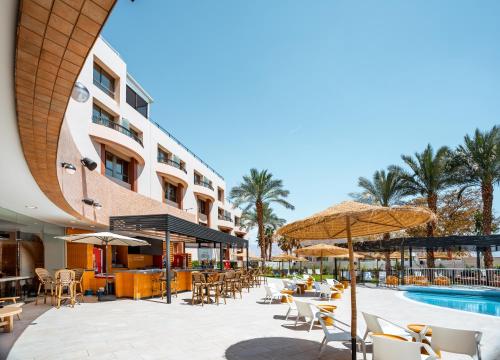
198 288
46 285
65 281
78 284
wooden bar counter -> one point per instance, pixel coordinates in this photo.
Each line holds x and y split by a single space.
139 284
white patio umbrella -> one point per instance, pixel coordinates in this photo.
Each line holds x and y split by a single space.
104 238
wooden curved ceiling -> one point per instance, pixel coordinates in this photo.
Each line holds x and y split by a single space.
54 38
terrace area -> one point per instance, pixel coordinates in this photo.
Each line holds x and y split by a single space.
242 329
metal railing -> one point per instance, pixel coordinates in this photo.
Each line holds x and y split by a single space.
203 183
115 126
185 148
451 276
173 163
225 218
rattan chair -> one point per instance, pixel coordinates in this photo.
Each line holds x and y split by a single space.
78 284
215 286
199 286
65 282
46 284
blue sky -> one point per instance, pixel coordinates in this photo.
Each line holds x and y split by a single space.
320 92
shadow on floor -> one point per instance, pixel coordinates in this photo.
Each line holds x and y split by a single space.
28 318
283 348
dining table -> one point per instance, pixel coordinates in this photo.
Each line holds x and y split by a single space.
16 279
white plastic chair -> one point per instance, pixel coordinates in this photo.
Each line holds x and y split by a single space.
389 349
333 282
289 285
326 291
309 271
317 272
307 311
377 325
343 336
272 294
456 341
291 306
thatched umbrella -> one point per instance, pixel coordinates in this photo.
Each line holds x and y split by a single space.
285 257
352 219
321 251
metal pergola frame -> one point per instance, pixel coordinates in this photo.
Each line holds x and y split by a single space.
479 241
167 224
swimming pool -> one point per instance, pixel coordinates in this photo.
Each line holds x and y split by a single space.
489 305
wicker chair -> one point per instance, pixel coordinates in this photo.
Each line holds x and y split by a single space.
198 288
65 282
78 283
46 285
215 286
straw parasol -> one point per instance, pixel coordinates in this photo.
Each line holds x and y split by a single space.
322 250
285 257
352 219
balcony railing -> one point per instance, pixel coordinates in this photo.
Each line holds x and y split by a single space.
173 163
112 125
203 183
109 92
225 218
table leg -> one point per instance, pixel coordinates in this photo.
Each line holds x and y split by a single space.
10 324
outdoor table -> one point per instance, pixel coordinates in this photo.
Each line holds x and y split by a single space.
7 317
327 309
301 288
418 328
284 299
15 279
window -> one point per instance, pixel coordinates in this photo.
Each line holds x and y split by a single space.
162 155
171 192
104 81
220 194
100 116
137 102
116 167
202 206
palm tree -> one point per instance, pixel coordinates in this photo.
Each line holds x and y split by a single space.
288 244
258 188
271 223
477 164
385 189
430 174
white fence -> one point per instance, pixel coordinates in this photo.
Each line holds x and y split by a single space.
451 276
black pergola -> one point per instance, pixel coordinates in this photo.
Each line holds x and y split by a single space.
478 241
167 224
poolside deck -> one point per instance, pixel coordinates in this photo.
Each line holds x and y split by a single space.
241 330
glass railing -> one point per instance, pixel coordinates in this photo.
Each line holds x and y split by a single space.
173 163
225 218
203 183
112 125
108 91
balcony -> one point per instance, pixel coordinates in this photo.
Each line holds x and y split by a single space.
173 163
225 222
117 127
102 87
203 218
116 137
203 183
225 218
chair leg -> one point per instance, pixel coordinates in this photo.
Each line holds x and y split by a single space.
288 313
322 347
38 293
311 326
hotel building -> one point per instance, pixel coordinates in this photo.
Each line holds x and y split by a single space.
70 163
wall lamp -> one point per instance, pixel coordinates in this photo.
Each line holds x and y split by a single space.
80 93
69 168
93 203
89 163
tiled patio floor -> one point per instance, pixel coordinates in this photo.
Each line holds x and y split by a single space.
241 330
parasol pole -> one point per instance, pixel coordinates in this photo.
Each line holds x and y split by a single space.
353 289
321 267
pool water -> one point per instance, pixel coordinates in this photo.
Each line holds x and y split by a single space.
472 303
